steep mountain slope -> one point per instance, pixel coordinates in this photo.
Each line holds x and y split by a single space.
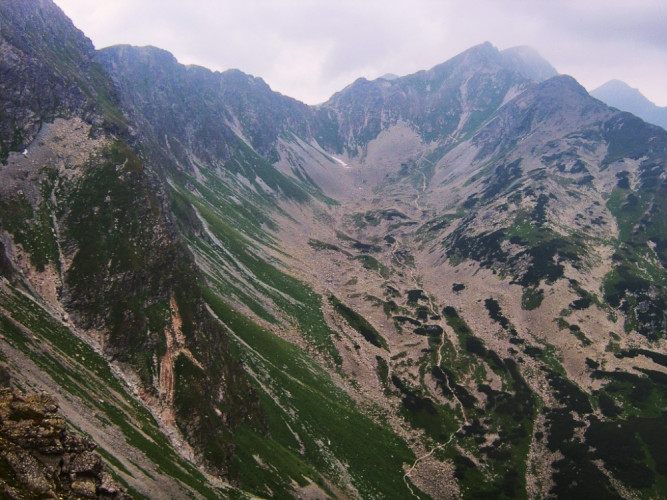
91 253
449 284
229 208
620 95
210 114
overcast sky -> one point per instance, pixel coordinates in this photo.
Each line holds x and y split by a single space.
309 49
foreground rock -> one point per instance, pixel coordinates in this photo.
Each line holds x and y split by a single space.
39 458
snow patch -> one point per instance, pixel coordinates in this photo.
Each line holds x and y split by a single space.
340 162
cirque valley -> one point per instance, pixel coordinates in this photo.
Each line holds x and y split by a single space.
448 284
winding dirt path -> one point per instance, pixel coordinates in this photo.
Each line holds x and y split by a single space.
443 326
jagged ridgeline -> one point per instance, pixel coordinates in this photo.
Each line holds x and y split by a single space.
448 284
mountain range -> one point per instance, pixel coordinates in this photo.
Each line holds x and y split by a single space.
449 284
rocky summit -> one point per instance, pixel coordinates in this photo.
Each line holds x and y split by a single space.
449 284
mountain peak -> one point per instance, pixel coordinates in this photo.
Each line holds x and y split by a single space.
146 53
479 53
616 85
620 95
524 60
388 77
528 62
564 81
615 90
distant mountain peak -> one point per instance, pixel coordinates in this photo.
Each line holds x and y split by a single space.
617 89
616 84
620 95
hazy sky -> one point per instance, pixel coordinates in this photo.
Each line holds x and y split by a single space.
309 49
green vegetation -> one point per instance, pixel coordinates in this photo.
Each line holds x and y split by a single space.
310 421
113 221
32 229
359 323
502 178
640 259
457 323
231 248
585 300
628 439
576 331
376 217
626 136
422 412
320 245
508 412
372 264
383 372
495 312
414 296
628 207
531 298
252 166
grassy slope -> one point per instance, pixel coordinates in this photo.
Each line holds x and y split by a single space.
315 431
86 379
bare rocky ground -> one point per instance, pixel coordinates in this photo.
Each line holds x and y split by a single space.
407 262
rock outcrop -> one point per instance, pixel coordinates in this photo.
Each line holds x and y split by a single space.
40 458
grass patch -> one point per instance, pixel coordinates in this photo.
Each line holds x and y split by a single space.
372 264
329 426
359 323
531 298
